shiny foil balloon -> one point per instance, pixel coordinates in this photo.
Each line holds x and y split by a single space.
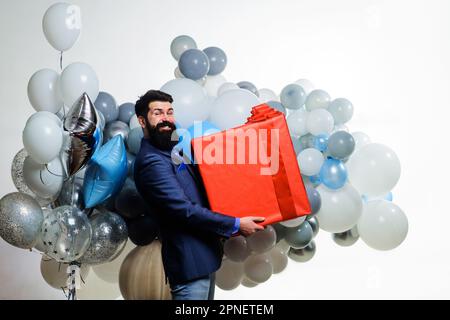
80 123
303 255
71 194
20 219
66 234
17 172
346 238
109 236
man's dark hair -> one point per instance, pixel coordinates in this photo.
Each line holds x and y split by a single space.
141 107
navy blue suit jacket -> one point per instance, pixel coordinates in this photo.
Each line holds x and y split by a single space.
190 232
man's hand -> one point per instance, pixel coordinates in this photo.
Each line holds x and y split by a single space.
249 226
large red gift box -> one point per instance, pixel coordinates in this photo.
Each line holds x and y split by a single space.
252 170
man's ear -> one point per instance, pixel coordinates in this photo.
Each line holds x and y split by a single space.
141 121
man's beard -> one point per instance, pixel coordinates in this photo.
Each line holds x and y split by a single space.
162 139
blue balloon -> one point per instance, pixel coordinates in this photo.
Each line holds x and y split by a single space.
321 142
276 105
315 180
333 173
106 172
126 111
194 64
217 60
198 129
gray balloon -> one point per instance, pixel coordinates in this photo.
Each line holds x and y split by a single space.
130 164
109 236
341 109
307 141
299 237
126 111
21 218
180 44
66 234
246 85
217 60
17 172
346 238
280 231
314 223
314 198
130 204
277 105
106 104
341 145
303 255
114 128
297 145
194 64
134 140
262 240
293 96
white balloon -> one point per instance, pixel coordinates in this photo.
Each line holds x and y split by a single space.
45 114
44 182
267 95
292 223
340 209
339 127
361 139
188 101
62 25
42 138
296 122
319 121
76 79
232 108
317 99
227 86
306 85
213 83
258 268
230 275
310 161
177 73
279 259
236 249
42 91
383 225
374 169
134 122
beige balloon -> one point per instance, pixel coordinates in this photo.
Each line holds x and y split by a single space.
142 276
55 273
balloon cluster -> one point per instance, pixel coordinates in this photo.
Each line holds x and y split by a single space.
77 201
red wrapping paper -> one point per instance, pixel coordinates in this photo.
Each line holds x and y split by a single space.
239 185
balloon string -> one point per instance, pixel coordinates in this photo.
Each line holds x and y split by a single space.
55 174
61 60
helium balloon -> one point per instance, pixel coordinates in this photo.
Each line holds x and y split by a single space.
303 255
317 99
279 259
296 144
188 101
341 109
346 238
277 106
134 140
306 85
194 64
293 96
21 218
126 111
374 169
143 229
226 87
62 25
263 240
106 104
78 78
130 204
236 249
266 95
71 193
292 223
299 237
319 121
66 234
229 275
17 172
116 128
55 273
383 225
341 145
340 209
134 122
42 91
321 142
106 173
314 223
333 173
45 181
217 60
180 44
84 137
246 85
232 108
361 139
246 282
213 83
258 268
296 122
307 141
310 161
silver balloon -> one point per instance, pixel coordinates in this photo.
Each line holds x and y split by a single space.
347 238
20 219
71 194
66 234
83 136
109 236
314 223
263 240
17 172
303 255
114 128
236 249
299 237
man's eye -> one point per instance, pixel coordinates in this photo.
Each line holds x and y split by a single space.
157 113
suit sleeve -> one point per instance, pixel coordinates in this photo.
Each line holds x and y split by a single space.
159 184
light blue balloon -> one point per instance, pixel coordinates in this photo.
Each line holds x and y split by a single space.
194 64
297 145
198 129
217 60
293 96
333 173
276 105
134 140
106 104
126 111
106 172
321 142
247 85
315 180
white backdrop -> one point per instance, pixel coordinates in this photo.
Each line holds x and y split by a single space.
390 58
